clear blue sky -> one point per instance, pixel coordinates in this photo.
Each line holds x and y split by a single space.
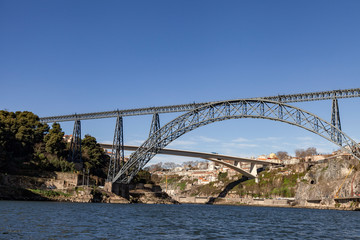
62 57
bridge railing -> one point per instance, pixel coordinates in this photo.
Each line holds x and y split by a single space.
301 97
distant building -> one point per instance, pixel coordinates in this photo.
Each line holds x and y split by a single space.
202 165
67 138
178 169
211 166
291 161
317 158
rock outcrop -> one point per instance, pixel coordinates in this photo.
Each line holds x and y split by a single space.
150 194
327 183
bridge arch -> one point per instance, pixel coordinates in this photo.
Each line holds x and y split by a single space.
235 109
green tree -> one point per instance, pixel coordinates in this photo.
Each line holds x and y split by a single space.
142 176
19 133
94 156
222 176
54 141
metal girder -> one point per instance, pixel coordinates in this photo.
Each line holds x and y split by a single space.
117 154
243 108
75 145
335 121
302 97
124 113
315 96
154 128
155 125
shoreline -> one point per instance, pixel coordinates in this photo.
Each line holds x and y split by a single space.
323 207
289 206
345 205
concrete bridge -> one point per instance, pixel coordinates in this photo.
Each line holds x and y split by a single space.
218 158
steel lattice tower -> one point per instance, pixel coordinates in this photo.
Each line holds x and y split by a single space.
117 155
75 145
155 126
335 121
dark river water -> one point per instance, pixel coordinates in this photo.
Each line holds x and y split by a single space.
53 220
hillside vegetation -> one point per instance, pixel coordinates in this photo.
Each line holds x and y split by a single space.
29 146
302 182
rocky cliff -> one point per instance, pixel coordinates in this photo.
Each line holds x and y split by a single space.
333 183
63 187
326 182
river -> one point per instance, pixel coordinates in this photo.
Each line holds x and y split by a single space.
55 220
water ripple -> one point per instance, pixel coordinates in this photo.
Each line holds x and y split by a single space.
51 220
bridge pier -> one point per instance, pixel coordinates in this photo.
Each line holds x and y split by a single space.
253 171
120 189
155 126
335 121
117 152
75 147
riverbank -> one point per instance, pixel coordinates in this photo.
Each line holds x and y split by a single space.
348 204
65 187
302 186
84 194
330 184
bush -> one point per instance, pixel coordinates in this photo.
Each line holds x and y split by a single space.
182 185
142 177
222 176
49 193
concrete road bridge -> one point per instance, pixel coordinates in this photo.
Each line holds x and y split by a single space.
217 158
195 115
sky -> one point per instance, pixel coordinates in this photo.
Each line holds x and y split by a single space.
63 57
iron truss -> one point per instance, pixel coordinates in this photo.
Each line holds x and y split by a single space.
75 146
235 109
314 96
117 154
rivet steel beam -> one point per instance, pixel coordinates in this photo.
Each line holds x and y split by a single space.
75 146
302 97
117 154
335 121
154 128
255 108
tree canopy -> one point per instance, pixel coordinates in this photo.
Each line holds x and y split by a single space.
282 155
301 153
94 156
54 141
19 132
26 143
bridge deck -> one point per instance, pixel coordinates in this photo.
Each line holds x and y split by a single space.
192 154
289 98
218 158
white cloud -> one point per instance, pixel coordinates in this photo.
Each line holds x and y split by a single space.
267 139
233 145
240 139
292 144
207 139
181 143
246 145
276 147
304 138
135 142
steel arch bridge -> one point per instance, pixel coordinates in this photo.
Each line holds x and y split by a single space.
234 109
